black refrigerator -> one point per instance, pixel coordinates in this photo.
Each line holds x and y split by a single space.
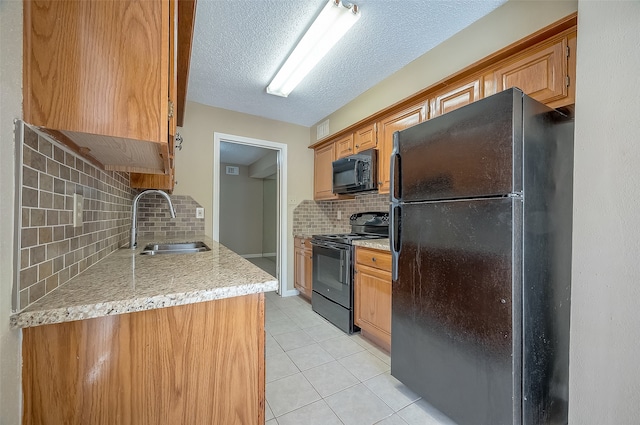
481 211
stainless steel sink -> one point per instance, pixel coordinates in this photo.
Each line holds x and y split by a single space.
175 248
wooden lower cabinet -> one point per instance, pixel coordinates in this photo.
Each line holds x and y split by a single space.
200 363
372 295
302 265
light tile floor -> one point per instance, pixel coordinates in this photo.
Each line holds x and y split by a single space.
268 264
318 375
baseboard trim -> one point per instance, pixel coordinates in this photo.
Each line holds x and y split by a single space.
290 293
270 254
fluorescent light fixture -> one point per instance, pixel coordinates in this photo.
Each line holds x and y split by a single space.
334 21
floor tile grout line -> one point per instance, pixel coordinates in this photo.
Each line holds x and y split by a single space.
366 347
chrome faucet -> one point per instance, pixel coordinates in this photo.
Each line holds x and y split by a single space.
134 218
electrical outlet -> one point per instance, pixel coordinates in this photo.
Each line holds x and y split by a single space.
77 209
199 212
339 215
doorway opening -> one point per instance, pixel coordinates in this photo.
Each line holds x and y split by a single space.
249 201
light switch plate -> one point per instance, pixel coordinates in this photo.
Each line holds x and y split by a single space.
199 212
78 201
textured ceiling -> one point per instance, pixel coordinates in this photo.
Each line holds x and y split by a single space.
240 44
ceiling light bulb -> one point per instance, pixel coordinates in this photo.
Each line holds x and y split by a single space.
334 21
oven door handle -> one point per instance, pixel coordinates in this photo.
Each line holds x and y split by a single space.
344 266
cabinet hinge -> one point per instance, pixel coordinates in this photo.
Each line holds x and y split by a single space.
568 51
567 80
170 109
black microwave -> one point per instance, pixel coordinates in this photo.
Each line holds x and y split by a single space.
355 173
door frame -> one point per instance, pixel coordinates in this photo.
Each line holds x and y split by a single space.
281 152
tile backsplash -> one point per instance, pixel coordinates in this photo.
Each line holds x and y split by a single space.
154 220
50 249
317 217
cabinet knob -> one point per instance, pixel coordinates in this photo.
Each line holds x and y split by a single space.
373 258
357 146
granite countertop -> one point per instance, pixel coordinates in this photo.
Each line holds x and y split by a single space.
126 281
382 244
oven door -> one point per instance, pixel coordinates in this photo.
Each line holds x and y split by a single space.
332 272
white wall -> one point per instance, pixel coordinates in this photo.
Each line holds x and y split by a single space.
10 108
194 170
240 211
269 215
605 321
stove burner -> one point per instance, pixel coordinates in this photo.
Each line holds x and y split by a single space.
346 237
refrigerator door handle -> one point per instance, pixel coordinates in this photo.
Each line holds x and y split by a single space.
394 238
395 171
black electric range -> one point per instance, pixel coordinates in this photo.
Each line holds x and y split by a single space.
333 259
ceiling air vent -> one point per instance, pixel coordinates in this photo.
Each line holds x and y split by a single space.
232 170
322 130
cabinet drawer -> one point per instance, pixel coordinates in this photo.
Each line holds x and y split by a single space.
373 258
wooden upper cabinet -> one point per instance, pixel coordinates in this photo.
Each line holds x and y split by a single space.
453 98
100 77
543 65
344 146
323 172
541 72
365 138
180 37
358 141
386 127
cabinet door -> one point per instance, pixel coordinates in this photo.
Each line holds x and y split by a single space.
302 265
308 271
298 268
167 181
372 303
344 146
386 128
541 73
98 68
365 138
323 173
451 99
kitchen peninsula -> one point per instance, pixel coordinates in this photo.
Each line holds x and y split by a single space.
140 339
